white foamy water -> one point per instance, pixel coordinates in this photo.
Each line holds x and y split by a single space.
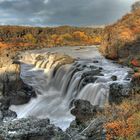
56 91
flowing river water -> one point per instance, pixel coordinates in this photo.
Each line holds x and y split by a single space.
87 78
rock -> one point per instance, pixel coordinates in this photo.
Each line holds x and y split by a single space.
89 76
95 61
31 129
118 91
94 131
114 78
95 72
54 60
83 111
16 93
87 125
9 115
1 116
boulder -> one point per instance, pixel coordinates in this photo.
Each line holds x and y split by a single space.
87 124
118 91
114 78
83 111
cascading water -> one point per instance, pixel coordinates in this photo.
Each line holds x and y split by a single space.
56 87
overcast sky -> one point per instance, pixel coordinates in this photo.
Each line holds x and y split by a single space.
62 12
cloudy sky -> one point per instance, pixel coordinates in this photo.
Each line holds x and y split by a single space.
62 12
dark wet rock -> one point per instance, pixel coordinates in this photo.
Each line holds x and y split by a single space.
118 91
16 93
92 67
5 103
21 97
85 81
91 73
9 115
31 129
5 113
100 68
114 78
94 131
89 76
87 125
1 116
95 61
83 111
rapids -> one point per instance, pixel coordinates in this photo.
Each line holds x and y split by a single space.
87 78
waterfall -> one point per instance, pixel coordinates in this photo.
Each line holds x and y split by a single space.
57 85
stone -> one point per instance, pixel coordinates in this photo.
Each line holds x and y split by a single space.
118 92
31 129
87 124
83 111
114 78
9 115
50 60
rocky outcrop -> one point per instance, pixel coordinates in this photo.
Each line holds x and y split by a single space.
118 92
52 60
83 111
87 125
121 40
31 129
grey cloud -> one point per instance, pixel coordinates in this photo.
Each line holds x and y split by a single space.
62 12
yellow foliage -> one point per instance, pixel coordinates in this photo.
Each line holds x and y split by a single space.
30 38
67 37
127 124
81 36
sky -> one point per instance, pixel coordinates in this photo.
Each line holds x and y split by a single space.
62 12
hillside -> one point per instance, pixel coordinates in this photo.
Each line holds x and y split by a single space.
121 41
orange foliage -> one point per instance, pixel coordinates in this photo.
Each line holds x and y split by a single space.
127 123
120 128
81 36
127 35
135 62
136 75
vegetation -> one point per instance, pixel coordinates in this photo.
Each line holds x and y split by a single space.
121 40
18 38
124 120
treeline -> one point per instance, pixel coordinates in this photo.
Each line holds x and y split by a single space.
56 36
19 38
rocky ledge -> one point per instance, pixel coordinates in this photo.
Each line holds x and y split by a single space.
31 129
87 126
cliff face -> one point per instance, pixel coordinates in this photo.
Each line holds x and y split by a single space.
122 39
121 42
